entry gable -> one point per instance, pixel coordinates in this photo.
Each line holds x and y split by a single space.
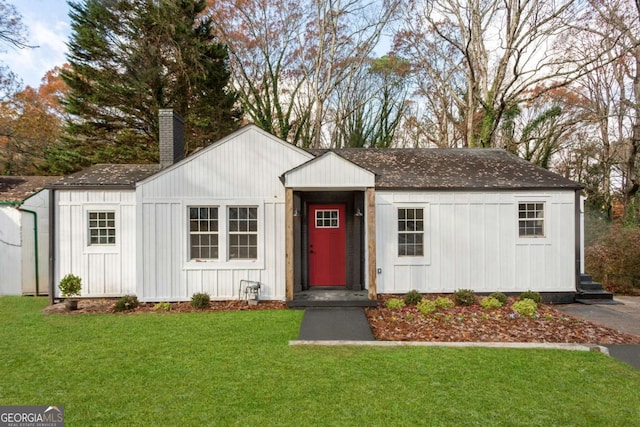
329 171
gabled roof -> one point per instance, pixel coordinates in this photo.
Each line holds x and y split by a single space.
395 168
246 129
20 188
452 168
107 176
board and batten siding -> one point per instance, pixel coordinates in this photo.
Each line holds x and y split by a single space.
106 270
241 172
472 242
10 251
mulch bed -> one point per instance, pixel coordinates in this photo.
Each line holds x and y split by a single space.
457 324
107 305
476 324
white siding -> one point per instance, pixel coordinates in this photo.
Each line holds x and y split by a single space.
17 246
105 270
10 251
38 203
241 172
330 171
247 165
472 242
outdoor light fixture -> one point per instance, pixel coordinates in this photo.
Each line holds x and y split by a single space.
296 212
358 212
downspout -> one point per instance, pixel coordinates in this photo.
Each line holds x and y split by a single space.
35 238
579 238
52 247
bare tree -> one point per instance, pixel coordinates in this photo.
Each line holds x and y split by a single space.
12 30
12 34
609 33
481 58
289 57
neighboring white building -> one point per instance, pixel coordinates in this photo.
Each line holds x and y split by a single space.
24 235
252 207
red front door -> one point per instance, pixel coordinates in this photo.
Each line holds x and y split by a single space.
327 245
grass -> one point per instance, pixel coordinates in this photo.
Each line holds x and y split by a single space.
236 368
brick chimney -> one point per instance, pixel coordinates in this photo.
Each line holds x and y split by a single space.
171 138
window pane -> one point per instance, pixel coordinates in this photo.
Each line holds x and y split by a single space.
410 231
101 228
531 219
243 228
203 228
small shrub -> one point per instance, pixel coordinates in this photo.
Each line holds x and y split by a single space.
127 302
200 300
525 307
464 297
532 296
70 286
394 303
444 302
490 303
500 297
427 306
162 306
412 297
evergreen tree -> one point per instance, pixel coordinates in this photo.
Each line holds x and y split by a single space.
130 58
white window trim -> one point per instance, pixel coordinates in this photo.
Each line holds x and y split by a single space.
424 259
223 262
241 233
338 219
190 233
548 225
100 248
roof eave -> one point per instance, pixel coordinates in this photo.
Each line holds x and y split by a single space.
131 186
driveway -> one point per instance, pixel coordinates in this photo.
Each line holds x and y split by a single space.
624 317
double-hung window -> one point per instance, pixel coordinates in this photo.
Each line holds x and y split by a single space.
531 219
203 233
410 232
243 232
102 228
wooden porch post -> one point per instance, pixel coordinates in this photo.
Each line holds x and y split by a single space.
371 242
288 215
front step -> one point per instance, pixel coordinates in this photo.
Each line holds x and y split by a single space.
331 297
590 292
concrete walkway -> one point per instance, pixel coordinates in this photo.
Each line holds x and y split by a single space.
624 317
335 323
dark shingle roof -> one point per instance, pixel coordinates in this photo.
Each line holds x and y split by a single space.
20 188
107 175
395 168
452 168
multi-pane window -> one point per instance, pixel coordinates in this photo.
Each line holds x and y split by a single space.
203 232
243 233
102 228
531 219
327 218
410 232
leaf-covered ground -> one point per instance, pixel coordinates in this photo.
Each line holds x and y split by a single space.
457 324
476 324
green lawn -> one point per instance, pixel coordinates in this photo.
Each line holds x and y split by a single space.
236 368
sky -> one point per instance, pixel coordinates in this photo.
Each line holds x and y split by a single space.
48 28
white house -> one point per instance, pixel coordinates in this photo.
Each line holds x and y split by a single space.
24 235
252 207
